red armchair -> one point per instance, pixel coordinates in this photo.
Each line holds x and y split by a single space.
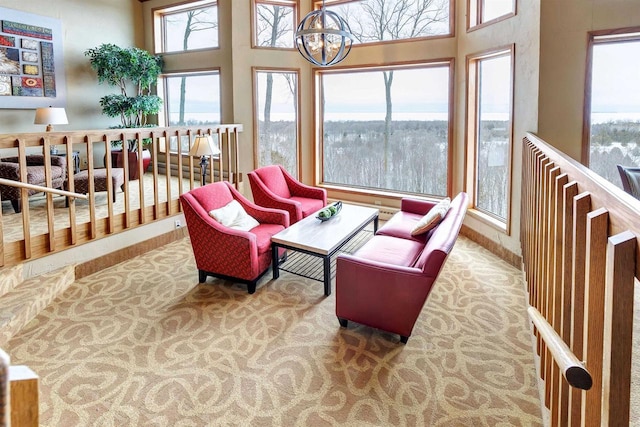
229 253
273 187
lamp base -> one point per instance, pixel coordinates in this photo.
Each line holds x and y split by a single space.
204 162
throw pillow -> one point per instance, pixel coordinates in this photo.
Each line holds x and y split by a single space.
234 216
432 218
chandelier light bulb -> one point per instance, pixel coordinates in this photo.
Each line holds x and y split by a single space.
323 37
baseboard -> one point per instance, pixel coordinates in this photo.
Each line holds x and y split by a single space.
129 252
493 247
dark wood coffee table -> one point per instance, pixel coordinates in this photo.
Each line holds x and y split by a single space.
323 238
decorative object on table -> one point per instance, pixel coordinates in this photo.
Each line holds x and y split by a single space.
204 148
31 62
330 211
323 37
273 187
127 68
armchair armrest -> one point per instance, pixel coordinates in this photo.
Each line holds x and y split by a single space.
266 215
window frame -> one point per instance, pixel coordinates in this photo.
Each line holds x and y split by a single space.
295 4
318 124
256 117
472 134
159 26
163 89
474 15
607 36
317 4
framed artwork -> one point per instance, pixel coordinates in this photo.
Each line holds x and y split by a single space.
31 65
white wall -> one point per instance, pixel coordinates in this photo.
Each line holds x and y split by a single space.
564 26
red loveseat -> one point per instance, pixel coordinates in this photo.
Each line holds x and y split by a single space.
224 252
273 187
385 283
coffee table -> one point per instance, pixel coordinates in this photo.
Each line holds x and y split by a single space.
323 238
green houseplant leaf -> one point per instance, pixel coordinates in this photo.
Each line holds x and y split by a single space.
134 71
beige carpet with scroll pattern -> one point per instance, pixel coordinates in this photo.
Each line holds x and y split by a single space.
143 344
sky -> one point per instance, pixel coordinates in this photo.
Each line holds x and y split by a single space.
616 77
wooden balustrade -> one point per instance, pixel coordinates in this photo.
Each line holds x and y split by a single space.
168 146
579 236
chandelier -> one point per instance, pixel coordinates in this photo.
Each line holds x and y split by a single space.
323 38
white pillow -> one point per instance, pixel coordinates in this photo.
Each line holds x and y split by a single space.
234 216
432 218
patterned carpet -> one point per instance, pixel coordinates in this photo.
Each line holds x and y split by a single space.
143 344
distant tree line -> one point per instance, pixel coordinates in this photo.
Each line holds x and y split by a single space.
613 143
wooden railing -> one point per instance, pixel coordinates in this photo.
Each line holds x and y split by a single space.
162 184
579 237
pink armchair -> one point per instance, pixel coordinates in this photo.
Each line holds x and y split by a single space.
229 253
273 187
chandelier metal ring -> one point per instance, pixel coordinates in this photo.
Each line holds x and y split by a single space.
323 37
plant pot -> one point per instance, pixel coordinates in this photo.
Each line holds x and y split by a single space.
117 161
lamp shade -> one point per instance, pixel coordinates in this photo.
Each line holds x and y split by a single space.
50 116
204 146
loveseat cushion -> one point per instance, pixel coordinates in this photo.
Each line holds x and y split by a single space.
400 225
432 218
391 250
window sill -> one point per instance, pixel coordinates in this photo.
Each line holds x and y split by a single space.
489 220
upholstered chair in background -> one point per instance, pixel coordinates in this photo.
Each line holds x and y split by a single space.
274 187
238 252
630 177
10 169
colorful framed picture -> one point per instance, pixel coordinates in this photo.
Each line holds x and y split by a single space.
31 63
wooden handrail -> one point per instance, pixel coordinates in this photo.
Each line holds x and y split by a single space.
39 188
571 367
579 236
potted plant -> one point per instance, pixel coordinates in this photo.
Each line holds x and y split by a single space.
134 71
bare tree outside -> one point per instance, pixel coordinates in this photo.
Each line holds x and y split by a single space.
384 20
195 22
274 29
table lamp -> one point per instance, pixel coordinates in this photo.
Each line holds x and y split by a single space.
50 116
203 146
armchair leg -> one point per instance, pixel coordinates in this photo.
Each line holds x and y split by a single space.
343 322
16 206
403 339
202 276
251 287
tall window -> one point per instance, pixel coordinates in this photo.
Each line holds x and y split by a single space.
387 128
613 115
490 95
277 118
374 21
274 23
192 99
187 27
485 11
